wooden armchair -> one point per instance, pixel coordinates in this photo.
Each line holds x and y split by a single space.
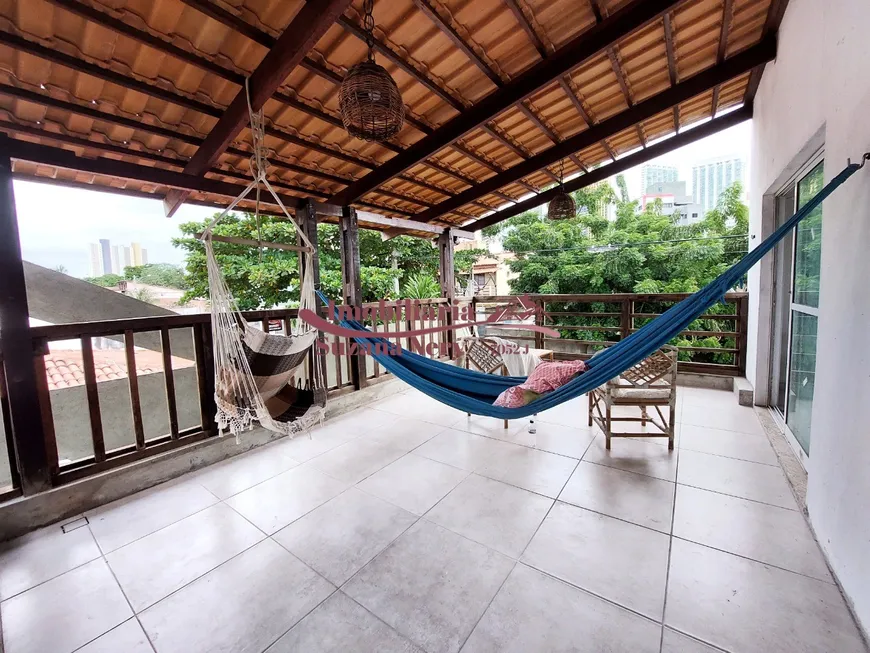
652 383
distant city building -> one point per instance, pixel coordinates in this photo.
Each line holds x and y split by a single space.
675 201
128 258
116 260
95 268
106 253
140 256
655 174
710 178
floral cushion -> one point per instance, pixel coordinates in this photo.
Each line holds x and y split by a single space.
545 378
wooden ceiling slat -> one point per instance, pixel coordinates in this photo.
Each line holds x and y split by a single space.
526 25
653 151
300 36
672 64
648 108
727 15
617 26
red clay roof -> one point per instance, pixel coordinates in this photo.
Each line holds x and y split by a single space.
65 369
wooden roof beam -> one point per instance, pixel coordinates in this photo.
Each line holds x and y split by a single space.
672 63
617 26
599 174
300 36
727 14
526 25
685 90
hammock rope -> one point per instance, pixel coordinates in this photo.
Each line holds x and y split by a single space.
259 376
473 392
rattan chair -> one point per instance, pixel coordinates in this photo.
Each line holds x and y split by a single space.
652 383
482 354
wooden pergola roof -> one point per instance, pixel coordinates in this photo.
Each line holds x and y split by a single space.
147 96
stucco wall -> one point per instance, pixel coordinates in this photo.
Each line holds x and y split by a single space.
821 80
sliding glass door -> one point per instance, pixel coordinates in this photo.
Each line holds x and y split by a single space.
796 307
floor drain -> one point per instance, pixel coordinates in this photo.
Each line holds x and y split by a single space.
74 524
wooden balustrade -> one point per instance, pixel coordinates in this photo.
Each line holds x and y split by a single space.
585 322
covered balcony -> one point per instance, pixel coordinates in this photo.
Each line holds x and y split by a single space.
130 524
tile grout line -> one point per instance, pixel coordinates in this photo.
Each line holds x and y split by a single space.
670 548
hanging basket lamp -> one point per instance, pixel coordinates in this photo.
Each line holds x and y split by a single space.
562 206
369 101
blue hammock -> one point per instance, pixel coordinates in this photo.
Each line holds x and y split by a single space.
474 392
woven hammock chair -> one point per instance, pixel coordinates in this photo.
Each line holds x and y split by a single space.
263 377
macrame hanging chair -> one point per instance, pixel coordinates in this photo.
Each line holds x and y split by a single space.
263 377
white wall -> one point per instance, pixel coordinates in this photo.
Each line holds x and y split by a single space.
821 80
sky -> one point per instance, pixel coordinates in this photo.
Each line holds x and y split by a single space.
56 223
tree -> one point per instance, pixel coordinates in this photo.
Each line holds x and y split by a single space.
106 280
271 278
144 295
157 274
421 286
61 268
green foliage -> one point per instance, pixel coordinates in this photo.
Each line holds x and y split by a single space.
144 295
157 274
272 278
421 286
61 268
106 280
256 280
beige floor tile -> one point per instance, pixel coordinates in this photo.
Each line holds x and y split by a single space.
534 612
674 642
121 522
431 585
736 418
502 517
489 426
153 567
243 606
357 459
42 555
341 536
65 613
632 455
273 504
460 449
738 478
304 447
537 471
126 638
765 533
244 471
732 444
340 625
404 433
742 605
413 482
553 438
622 562
640 499
571 413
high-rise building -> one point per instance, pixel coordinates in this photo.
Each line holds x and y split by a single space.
710 178
144 256
106 253
128 259
137 253
116 260
96 261
656 174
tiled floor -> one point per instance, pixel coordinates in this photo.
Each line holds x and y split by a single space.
407 527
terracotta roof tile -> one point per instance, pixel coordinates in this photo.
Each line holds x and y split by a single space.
65 369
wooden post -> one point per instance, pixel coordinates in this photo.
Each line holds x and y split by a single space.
625 321
306 217
31 451
539 321
446 276
351 283
742 324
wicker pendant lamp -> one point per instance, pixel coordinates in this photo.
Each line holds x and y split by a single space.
562 206
369 101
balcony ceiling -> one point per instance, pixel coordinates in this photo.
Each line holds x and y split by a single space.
146 81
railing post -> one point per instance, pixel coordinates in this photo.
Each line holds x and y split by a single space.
539 320
306 217
31 453
351 283
447 279
742 305
625 319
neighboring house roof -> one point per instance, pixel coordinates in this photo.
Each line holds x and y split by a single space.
65 369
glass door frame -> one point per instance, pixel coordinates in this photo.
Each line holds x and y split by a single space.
779 415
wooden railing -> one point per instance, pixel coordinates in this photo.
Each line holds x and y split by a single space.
715 344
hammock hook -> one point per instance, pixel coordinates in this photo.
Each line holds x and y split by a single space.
864 158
